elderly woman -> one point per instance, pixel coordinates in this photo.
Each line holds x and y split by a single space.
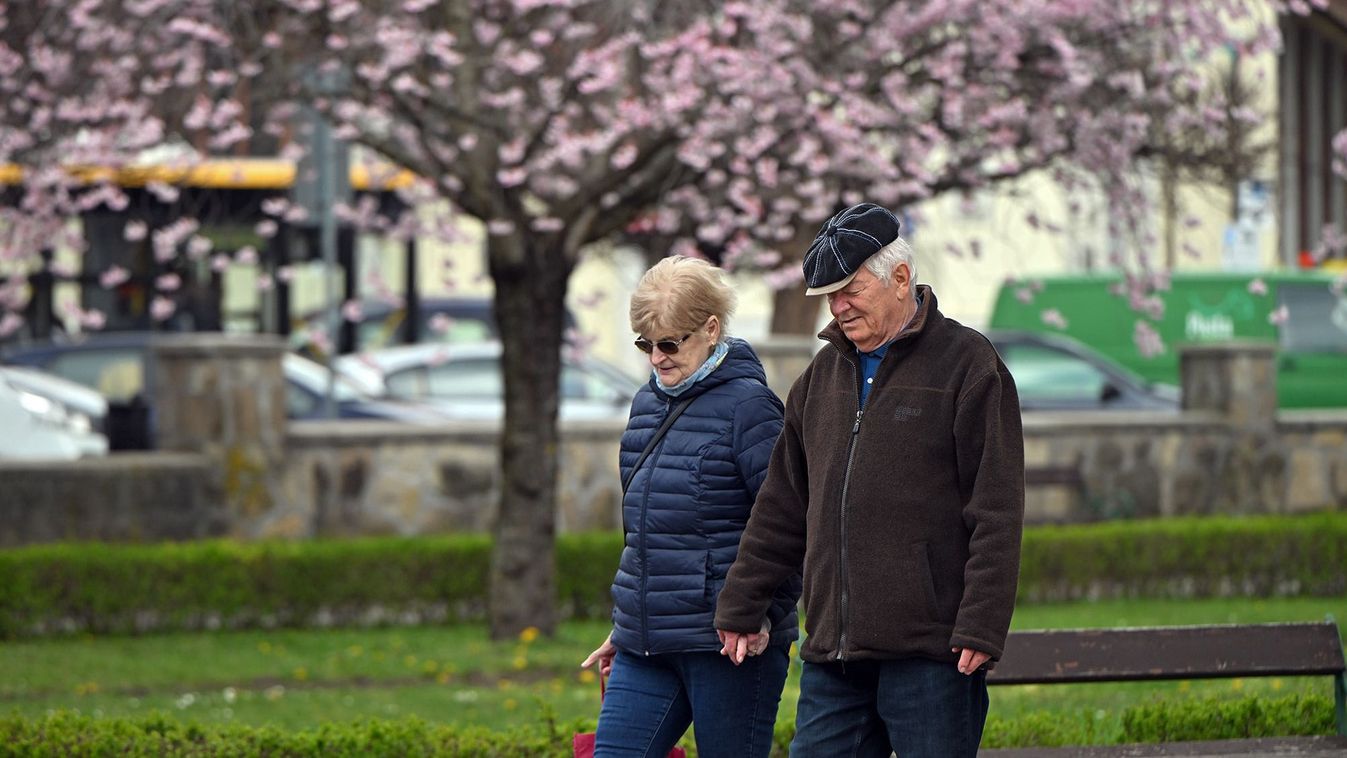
684 507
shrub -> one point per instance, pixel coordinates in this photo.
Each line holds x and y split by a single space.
128 588
1209 719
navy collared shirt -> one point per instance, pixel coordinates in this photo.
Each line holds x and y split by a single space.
870 361
869 365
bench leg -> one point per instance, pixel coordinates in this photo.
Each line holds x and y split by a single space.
1340 695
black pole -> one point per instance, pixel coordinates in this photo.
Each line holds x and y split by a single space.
280 255
346 261
411 292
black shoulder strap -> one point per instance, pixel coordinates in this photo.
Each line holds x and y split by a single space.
668 422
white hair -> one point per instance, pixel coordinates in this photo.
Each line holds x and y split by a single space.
883 263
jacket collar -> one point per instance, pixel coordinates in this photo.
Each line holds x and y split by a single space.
926 314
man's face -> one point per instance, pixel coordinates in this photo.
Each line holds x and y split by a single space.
869 312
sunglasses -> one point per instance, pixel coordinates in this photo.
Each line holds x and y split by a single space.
668 347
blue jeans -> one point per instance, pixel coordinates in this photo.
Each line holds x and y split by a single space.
652 699
914 707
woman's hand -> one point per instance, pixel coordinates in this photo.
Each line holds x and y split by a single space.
603 655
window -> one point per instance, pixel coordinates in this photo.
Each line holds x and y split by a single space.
118 374
1042 373
1316 319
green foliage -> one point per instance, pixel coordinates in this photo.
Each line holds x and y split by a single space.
1265 556
1212 719
127 588
104 588
1042 729
65 733
69 734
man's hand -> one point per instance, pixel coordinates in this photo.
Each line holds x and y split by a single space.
739 646
970 660
603 656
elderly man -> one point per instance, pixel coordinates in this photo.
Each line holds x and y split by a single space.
898 485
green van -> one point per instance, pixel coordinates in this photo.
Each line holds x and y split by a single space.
1311 333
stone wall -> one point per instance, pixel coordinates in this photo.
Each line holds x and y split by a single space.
358 477
246 474
123 497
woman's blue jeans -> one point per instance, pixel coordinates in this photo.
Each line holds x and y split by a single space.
914 707
652 699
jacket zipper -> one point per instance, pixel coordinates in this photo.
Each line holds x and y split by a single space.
842 526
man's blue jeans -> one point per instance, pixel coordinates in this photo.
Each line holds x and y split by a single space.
915 707
652 699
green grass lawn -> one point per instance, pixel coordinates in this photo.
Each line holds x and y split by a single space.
299 679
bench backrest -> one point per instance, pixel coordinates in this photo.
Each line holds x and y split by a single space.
1186 652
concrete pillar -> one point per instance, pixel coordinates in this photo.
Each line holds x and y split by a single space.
1235 379
1241 469
223 396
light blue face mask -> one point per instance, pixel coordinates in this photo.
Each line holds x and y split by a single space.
717 357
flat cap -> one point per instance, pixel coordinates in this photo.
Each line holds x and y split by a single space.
844 243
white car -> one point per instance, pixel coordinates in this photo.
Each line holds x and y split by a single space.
464 381
38 427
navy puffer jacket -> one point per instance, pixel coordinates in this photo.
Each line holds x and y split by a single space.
686 507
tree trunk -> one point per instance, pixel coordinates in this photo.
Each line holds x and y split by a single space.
530 291
792 311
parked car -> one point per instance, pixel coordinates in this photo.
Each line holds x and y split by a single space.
116 365
80 400
38 427
464 381
1058 373
452 320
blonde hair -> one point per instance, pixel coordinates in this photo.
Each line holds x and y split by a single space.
677 296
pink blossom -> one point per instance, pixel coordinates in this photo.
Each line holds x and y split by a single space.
199 247
10 323
112 277
440 323
134 231
1278 316
162 308
1147 340
351 311
1257 287
167 282
92 319
511 177
246 255
1054 318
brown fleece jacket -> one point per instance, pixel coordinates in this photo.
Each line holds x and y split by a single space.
907 522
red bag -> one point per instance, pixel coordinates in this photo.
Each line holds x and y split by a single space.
583 742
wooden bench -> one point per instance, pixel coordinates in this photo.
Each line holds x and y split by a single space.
1185 652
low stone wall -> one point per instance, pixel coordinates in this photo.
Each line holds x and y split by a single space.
248 474
359 477
123 497
1147 465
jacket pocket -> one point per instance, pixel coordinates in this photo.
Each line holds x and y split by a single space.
712 583
892 601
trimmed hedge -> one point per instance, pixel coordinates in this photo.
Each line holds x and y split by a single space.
1262 556
66 734
201 585
1162 721
1289 716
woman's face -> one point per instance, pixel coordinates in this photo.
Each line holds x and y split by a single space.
693 348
